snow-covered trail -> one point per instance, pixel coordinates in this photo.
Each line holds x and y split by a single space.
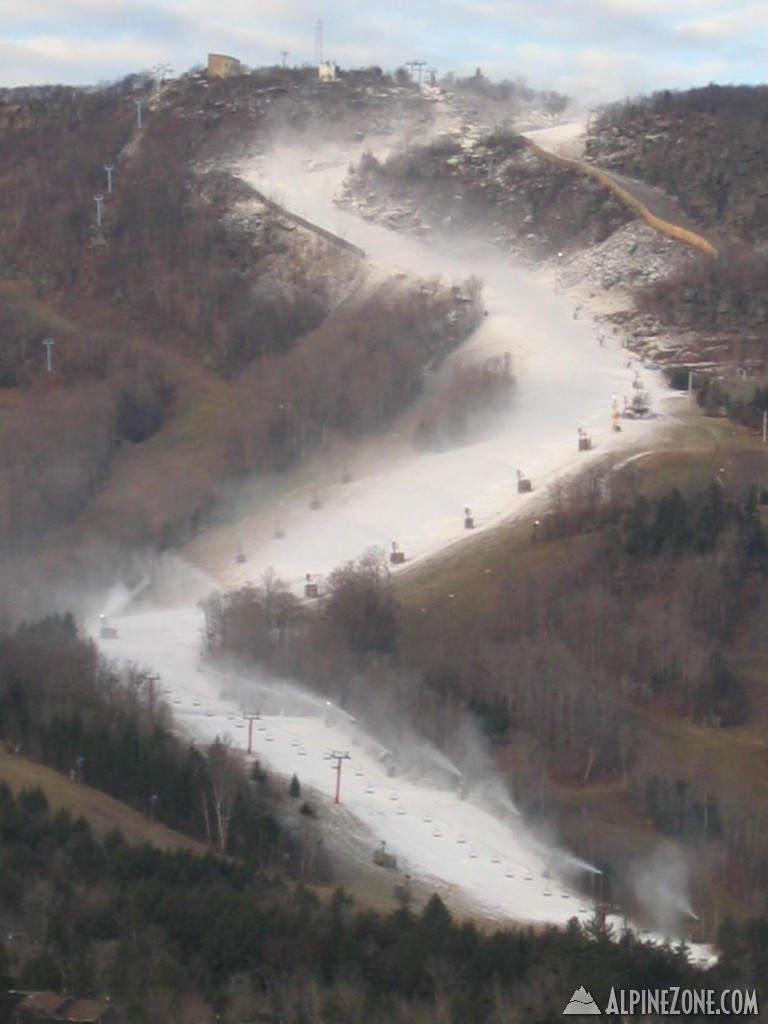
483 857
566 380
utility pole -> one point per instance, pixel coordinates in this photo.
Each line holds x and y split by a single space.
99 200
285 56
49 343
690 389
139 104
338 756
109 168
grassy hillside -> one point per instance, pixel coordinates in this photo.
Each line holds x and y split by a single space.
103 813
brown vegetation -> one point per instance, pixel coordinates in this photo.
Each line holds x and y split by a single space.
538 208
351 375
198 332
704 146
471 397
723 296
103 812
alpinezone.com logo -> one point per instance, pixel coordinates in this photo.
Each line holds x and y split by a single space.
581 1003
669 1001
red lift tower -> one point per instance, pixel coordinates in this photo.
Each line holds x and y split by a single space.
338 756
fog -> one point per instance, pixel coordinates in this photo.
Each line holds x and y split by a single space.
466 842
446 815
565 380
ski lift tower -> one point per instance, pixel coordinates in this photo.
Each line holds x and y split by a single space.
417 67
339 756
49 343
251 717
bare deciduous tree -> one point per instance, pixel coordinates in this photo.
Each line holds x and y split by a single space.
225 775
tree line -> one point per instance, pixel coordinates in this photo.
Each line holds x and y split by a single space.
563 664
704 146
169 935
176 936
65 706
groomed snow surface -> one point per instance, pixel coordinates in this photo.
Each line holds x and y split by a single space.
481 855
485 858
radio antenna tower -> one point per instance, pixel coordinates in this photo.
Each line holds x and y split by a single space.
319 42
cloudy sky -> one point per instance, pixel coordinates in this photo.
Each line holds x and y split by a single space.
596 50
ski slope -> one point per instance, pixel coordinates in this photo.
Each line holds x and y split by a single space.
480 855
568 370
472 850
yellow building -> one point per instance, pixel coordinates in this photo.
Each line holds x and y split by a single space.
222 66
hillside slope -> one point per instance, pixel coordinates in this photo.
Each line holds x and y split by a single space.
102 812
190 319
705 146
202 333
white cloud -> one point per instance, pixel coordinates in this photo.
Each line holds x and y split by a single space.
606 47
723 25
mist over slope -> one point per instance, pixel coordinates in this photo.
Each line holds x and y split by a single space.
177 318
215 355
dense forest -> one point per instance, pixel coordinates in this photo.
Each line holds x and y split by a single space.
179 937
705 146
65 706
175 936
